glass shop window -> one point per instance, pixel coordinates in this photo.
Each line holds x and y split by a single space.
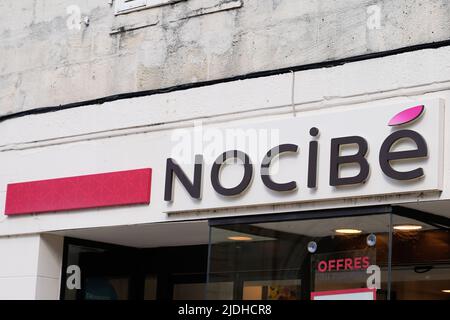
366 257
420 260
293 260
104 273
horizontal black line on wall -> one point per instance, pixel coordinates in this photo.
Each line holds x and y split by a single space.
253 75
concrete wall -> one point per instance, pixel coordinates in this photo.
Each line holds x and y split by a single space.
30 267
48 58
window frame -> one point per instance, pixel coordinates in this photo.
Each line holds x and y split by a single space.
127 6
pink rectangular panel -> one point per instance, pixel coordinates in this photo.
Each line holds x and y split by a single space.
82 192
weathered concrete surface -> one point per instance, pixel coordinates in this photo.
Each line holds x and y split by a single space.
45 61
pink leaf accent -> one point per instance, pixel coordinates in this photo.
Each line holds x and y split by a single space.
407 115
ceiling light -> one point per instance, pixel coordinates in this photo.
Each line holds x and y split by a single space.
446 291
407 227
348 231
240 238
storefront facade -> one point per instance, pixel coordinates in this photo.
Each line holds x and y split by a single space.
318 205
321 181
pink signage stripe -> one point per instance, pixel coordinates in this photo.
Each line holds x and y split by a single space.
82 192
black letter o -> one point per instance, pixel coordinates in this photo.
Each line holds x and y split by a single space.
246 179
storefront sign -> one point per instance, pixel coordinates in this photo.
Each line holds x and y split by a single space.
348 266
355 152
344 264
315 156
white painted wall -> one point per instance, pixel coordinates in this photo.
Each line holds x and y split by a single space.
31 267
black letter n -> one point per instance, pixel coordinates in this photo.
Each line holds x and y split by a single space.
194 189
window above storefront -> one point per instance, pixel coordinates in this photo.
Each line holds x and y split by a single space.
126 6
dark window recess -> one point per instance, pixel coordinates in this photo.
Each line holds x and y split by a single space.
110 272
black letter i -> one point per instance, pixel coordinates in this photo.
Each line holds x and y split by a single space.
312 163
